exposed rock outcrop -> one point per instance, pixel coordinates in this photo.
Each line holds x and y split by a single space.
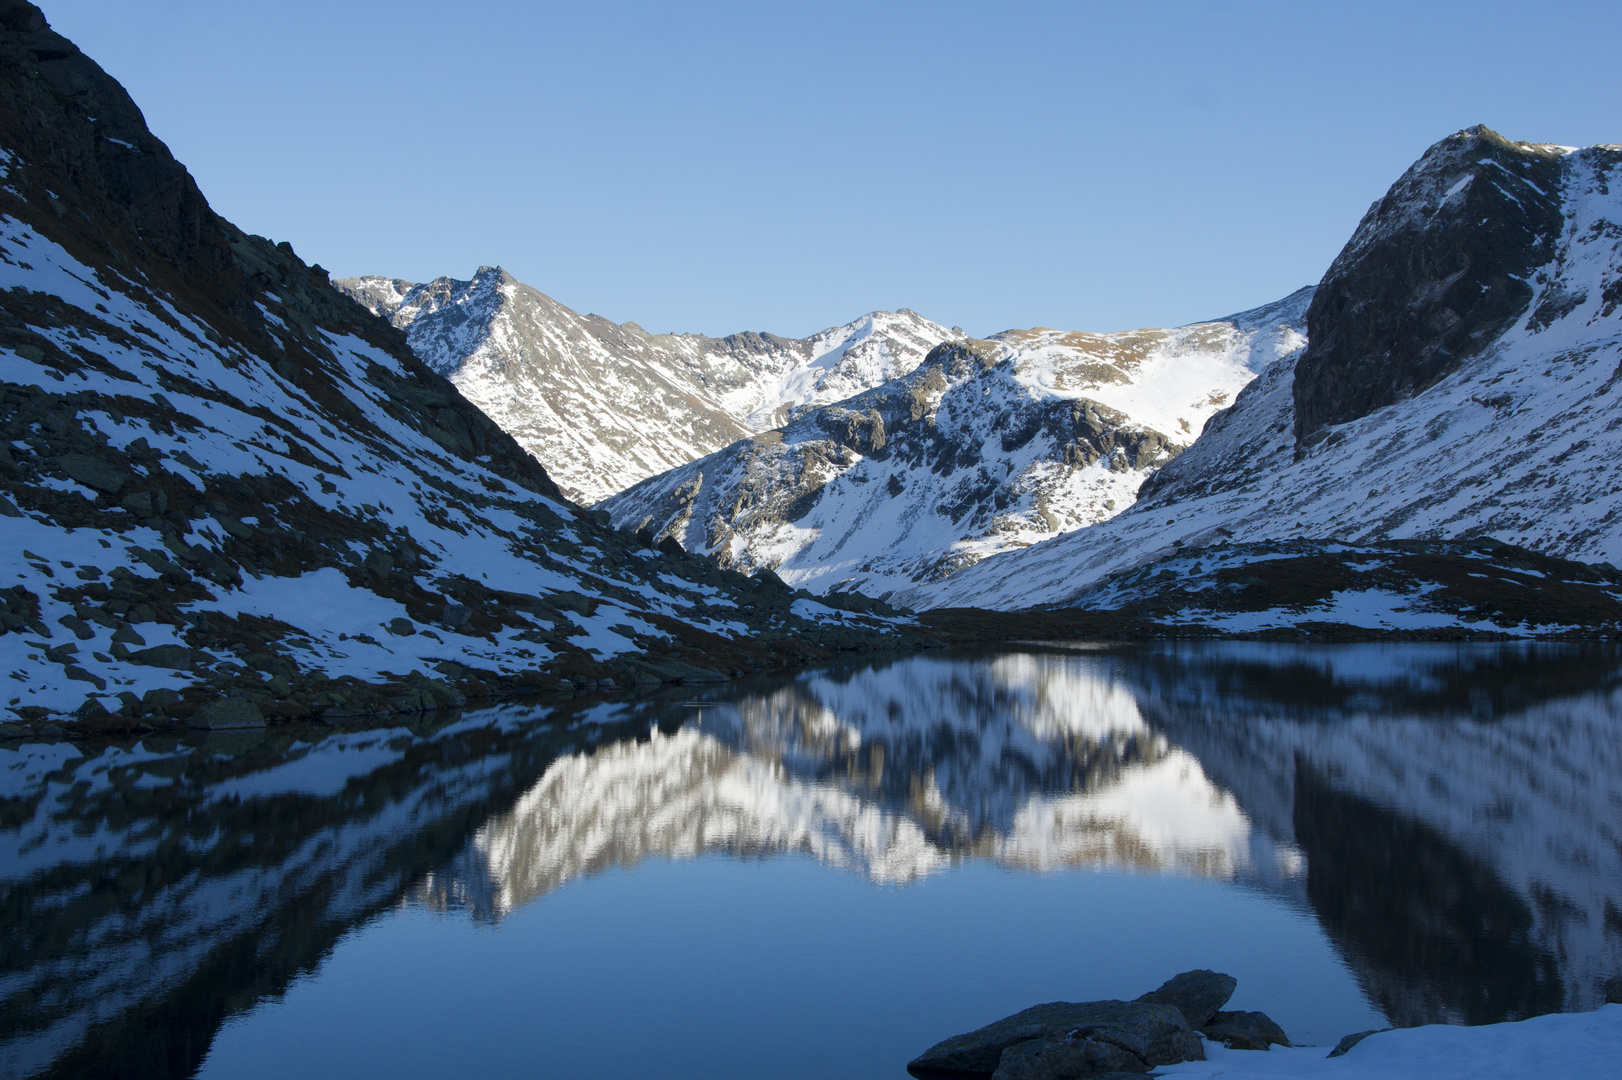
1439 267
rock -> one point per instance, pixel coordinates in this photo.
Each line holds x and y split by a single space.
1244 1031
1155 1034
240 530
160 699
1352 1040
140 504
80 628
174 657
1414 294
1613 990
1198 993
1065 1059
79 674
93 472
401 627
226 714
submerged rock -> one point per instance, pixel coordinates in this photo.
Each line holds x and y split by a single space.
1198 993
1147 1034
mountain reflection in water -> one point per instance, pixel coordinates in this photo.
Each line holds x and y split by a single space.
1449 813
1032 761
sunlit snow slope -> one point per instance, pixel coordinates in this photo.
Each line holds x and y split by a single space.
1461 381
988 446
604 404
222 477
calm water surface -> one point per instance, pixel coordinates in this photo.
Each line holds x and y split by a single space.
821 876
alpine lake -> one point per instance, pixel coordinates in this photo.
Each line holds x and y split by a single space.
820 875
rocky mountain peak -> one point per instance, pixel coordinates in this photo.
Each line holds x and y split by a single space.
1438 268
606 404
492 277
987 445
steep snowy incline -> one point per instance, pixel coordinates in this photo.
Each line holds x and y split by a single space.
1461 382
602 404
990 445
229 492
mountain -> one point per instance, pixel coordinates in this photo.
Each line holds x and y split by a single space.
1459 385
606 404
989 446
230 492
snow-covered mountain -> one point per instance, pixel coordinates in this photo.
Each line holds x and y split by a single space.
604 404
228 487
989 446
1461 381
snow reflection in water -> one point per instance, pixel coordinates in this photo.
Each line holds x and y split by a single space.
1031 761
1447 814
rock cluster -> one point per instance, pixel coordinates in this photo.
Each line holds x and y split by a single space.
1079 1041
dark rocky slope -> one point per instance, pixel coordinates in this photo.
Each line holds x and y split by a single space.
1438 269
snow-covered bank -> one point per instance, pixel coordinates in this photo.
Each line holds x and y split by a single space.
1561 1046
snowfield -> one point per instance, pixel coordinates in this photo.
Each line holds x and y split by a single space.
1554 1047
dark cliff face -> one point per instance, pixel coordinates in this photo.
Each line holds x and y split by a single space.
87 174
1436 270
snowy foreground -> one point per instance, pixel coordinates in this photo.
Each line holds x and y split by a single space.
1561 1046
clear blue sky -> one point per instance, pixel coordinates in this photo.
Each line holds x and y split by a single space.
784 167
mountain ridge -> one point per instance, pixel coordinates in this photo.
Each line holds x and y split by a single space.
1499 427
607 404
987 446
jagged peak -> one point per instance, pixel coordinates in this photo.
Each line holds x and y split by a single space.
487 274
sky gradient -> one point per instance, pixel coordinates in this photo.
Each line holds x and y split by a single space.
785 167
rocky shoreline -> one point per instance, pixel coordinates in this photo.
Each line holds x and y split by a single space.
1100 1040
